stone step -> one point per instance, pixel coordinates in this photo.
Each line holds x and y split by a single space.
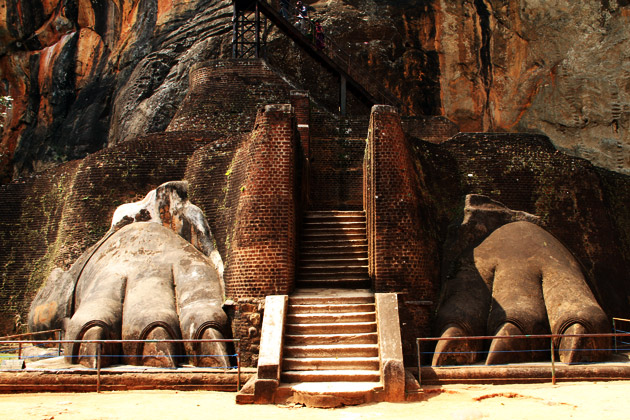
339 236
358 251
319 297
327 318
345 338
332 224
308 232
329 394
331 375
332 243
333 262
327 255
330 307
334 217
330 328
358 283
332 350
325 270
330 363
332 274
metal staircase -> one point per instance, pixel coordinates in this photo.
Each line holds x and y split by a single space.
249 40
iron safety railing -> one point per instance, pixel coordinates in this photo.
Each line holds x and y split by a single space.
621 344
15 346
20 348
551 349
338 55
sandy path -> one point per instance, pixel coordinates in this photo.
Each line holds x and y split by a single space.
584 400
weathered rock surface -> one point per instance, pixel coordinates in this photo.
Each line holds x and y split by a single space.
88 74
85 74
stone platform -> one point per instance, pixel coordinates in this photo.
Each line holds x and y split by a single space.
56 375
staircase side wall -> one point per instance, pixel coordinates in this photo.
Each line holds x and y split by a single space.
336 150
261 260
402 257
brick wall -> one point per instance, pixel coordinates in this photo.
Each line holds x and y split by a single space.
224 96
49 219
261 260
402 255
337 147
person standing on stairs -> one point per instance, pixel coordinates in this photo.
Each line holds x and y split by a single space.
319 36
302 17
284 8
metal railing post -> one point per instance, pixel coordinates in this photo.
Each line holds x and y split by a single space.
58 343
19 350
615 331
257 29
98 367
238 365
553 363
419 363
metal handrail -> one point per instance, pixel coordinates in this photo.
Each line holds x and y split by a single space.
99 351
56 331
522 336
7 337
614 322
345 61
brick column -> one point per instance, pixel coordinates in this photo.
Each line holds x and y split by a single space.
302 107
402 259
301 103
262 258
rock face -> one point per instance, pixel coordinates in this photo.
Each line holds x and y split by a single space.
552 67
87 74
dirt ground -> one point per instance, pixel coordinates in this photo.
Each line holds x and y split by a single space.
583 400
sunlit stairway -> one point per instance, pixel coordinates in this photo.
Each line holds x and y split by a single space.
332 342
333 250
331 353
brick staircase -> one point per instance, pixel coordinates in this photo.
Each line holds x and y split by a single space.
333 250
331 347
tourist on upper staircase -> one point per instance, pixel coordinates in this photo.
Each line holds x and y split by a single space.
319 36
284 8
302 17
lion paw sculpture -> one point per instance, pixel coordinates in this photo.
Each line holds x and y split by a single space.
142 281
519 280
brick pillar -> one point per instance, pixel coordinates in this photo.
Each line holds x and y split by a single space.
301 103
262 258
402 259
302 107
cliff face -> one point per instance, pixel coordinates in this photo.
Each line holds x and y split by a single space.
85 74
559 67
